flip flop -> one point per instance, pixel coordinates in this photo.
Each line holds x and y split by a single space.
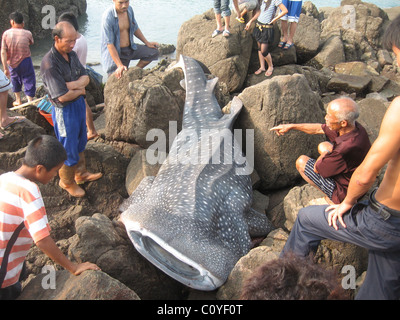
259 71
226 33
269 73
288 46
241 20
281 44
215 33
14 121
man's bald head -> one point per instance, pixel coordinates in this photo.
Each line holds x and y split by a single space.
62 29
345 108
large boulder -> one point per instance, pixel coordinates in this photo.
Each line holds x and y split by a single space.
307 38
268 250
116 255
227 58
282 99
140 101
37 17
360 26
62 285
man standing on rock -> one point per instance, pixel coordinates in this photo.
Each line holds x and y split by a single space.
373 224
65 80
118 48
349 144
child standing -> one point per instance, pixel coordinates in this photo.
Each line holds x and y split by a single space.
264 31
222 10
23 218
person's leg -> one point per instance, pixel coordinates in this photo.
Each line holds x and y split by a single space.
226 14
5 120
305 166
285 31
293 27
144 54
218 15
16 81
67 123
91 129
366 228
261 59
270 69
28 78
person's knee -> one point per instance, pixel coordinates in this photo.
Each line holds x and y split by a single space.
301 163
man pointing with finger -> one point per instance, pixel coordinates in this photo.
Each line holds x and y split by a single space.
372 224
340 156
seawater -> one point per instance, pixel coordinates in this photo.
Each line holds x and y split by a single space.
159 21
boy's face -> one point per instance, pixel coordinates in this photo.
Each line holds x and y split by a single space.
43 176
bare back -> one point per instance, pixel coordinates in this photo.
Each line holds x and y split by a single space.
389 189
386 149
123 21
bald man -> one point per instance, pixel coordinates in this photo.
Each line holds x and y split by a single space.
65 80
339 157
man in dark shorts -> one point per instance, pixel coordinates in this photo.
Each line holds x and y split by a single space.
349 144
119 27
65 80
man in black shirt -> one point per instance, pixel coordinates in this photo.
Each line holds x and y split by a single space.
65 80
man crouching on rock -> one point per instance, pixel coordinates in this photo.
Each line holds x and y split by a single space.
347 146
23 216
65 80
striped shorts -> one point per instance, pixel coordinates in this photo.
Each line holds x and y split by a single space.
327 185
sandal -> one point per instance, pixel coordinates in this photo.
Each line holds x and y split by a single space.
226 33
288 46
281 44
241 20
215 33
259 71
14 121
269 73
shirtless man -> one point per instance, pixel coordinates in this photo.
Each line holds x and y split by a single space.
118 48
373 224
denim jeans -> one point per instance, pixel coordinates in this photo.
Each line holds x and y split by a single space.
222 7
364 227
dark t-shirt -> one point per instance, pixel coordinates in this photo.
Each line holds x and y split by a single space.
56 71
349 150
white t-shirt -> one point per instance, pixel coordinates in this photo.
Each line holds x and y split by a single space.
81 49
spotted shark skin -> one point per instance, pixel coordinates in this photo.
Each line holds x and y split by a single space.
194 220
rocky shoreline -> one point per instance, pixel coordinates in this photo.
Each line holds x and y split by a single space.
328 61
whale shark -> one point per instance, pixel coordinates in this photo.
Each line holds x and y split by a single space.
194 220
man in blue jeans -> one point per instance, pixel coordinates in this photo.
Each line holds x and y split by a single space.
373 224
119 27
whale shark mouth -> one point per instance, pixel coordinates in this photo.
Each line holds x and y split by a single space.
171 261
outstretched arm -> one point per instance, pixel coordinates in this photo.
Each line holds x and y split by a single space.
309 128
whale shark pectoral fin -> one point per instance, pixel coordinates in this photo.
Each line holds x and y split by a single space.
236 105
258 223
138 194
183 84
212 83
